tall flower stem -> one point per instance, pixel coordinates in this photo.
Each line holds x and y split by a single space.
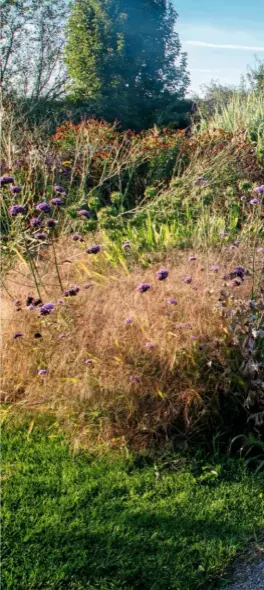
32 267
56 265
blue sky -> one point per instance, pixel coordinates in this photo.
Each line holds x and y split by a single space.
206 26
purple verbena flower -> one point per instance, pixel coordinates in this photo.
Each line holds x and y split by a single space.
59 189
133 379
89 362
51 223
42 372
35 222
214 268
187 280
30 307
149 346
63 335
15 188
43 207
57 202
143 287
162 274
18 335
128 321
259 189
254 201
46 308
172 301
94 249
238 272
6 180
192 258
72 291
15 210
126 245
83 213
193 337
41 236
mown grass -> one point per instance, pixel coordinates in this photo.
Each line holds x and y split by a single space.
77 521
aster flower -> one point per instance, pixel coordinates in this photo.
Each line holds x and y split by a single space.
51 223
18 335
187 280
35 222
83 213
43 207
57 202
162 274
214 268
4 180
143 287
15 188
15 210
41 236
172 301
254 201
42 372
46 308
72 291
94 249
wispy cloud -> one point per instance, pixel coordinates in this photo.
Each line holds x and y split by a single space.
224 46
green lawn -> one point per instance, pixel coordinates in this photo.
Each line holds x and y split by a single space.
76 522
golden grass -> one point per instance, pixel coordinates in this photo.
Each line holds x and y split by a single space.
128 392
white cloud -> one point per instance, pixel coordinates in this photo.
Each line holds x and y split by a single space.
222 46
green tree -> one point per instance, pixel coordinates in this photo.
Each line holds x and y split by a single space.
124 58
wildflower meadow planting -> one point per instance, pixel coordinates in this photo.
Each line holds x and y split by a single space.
132 306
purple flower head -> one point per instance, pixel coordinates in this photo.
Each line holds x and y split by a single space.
88 286
29 300
41 236
128 321
187 280
223 234
193 337
75 237
254 201
236 283
238 272
59 189
6 180
172 301
260 250
17 303
63 335
46 308
83 213
35 222
57 202
191 258
143 287
89 362
133 379
15 210
30 307
15 188
259 189
51 223
60 301
18 335
214 268
93 249
42 372
43 207
126 245
72 291
149 346
162 274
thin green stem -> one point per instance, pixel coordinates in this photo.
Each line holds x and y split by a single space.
57 266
